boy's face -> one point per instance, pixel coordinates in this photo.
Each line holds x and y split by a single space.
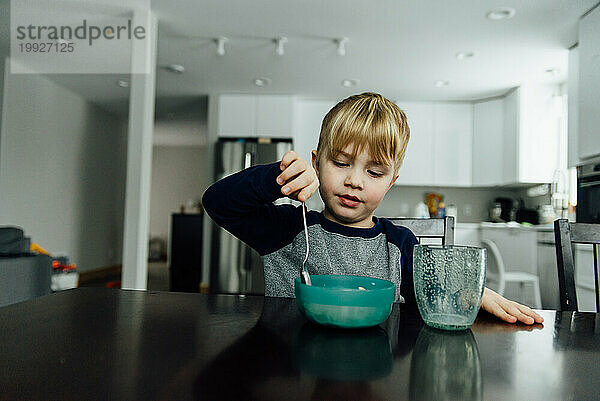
352 188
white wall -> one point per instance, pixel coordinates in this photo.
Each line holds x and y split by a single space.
178 174
62 171
179 159
4 50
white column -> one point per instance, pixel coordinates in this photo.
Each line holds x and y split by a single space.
139 155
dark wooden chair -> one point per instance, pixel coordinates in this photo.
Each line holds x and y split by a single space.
429 228
566 234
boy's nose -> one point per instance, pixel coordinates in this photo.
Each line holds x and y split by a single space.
353 180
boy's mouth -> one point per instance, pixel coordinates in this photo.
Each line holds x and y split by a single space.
349 200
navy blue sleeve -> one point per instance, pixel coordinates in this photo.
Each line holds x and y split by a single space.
242 203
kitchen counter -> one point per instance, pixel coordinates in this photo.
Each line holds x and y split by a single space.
515 225
98 343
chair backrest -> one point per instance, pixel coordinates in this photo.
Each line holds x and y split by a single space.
495 264
565 235
428 228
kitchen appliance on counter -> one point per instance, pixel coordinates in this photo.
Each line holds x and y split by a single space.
588 193
526 215
502 210
235 267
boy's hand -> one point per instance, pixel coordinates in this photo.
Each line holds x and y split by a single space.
298 178
509 311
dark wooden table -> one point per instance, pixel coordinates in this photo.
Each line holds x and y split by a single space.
100 344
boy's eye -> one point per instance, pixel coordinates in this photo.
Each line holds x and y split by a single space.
375 173
340 164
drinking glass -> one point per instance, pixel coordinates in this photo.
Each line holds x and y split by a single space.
448 282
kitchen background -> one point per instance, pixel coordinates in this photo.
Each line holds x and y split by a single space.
499 101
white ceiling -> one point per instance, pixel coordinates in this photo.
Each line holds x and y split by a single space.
398 48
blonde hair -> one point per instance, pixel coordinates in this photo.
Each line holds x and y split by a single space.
366 120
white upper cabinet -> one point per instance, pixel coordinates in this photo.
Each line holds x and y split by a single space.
510 159
539 133
274 116
517 139
452 146
236 115
573 98
439 149
488 126
417 167
255 116
531 150
589 85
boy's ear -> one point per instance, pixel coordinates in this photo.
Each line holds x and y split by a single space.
315 161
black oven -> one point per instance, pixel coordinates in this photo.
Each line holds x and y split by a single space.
588 193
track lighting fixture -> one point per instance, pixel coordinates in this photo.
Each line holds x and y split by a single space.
341 46
221 45
279 42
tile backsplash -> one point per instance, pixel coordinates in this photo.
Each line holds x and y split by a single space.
473 204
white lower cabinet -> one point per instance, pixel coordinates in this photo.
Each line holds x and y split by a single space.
467 234
517 247
533 251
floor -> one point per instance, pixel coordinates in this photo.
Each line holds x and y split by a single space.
158 278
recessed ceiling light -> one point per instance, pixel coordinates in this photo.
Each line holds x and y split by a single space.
262 81
440 83
347 83
123 83
464 55
553 71
176 68
501 13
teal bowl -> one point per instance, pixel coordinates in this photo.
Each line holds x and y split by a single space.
345 301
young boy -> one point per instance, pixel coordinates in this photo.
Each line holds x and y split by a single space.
361 146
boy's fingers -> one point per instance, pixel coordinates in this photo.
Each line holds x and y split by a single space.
308 192
530 312
516 312
288 158
300 182
502 314
292 170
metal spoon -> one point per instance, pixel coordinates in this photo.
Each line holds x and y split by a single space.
304 276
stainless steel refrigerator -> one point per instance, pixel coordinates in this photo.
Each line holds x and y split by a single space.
235 267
